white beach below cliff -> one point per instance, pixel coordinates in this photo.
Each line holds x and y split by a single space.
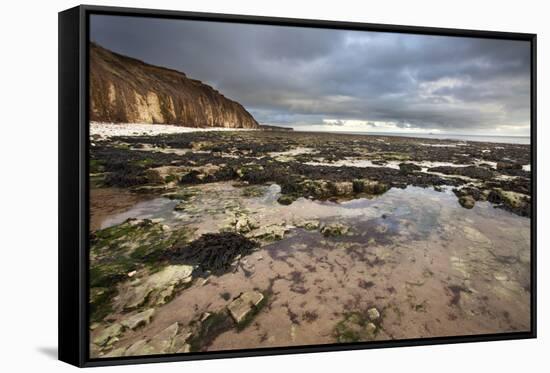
144 129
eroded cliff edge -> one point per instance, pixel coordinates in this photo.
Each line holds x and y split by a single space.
126 90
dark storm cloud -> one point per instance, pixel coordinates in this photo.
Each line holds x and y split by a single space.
307 76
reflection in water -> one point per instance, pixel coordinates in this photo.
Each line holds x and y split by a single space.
431 267
158 208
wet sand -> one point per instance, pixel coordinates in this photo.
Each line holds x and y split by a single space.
106 202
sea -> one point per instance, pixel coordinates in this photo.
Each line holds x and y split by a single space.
441 136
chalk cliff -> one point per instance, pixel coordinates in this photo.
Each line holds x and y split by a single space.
126 90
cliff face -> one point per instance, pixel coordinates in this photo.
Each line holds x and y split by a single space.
126 90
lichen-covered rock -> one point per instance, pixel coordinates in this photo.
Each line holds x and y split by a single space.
369 187
243 305
335 229
373 314
125 90
467 202
473 172
163 341
140 348
138 320
183 194
181 206
370 328
123 240
164 174
254 191
355 327
343 188
272 232
247 171
184 349
201 145
409 167
310 225
244 224
148 189
156 289
286 199
316 188
512 199
122 249
508 166
200 174
171 339
180 341
117 352
109 335
349 330
517 203
470 191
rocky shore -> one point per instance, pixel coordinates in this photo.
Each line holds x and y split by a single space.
333 238
321 166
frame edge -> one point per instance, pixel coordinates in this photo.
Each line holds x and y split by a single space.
72 172
70 348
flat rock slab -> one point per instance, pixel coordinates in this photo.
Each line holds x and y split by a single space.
109 335
164 342
335 229
270 233
476 236
159 174
373 314
139 319
311 225
139 348
371 328
164 283
244 304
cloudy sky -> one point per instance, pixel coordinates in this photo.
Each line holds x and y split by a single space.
318 79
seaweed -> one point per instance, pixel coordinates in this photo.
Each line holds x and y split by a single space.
213 252
117 250
251 162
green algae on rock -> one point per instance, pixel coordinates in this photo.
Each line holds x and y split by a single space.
349 227
118 251
355 327
334 230
155 289
139 319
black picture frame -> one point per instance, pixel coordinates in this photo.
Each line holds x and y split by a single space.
74 192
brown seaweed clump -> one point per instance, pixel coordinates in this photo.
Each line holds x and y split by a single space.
214 252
